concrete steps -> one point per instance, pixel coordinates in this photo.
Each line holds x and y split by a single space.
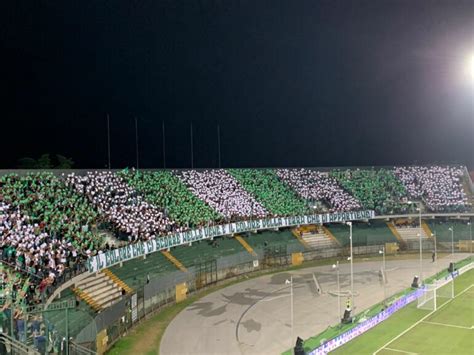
245 245
100 290
318 238
411 233
173 260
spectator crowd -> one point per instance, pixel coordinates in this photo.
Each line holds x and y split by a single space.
440 187
165 189
122 205
223 193
277 197
318 186
29 249
376 189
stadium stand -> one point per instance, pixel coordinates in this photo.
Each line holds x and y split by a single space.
375 232
50 224
207 250
461 229
317 186
274 195
163 188
269 239
378 190
136 271
440 187
223 193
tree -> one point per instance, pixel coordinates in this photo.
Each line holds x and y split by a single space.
44 162
26 163
63 162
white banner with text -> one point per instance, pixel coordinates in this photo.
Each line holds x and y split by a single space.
112 257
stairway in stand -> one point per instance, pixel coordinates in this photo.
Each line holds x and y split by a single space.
101 290
410 234
174 261
315 237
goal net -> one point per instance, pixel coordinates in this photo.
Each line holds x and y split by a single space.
436 293
427 299
445 288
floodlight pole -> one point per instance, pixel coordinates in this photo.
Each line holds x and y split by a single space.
421 244
291 300
352 267
336 266
419 237
384 275
470 235
452 241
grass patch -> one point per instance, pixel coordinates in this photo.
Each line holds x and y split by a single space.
424 338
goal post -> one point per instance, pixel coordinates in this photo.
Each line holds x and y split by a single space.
445 288
438 291
427 299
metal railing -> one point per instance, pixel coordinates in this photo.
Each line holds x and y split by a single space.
8 345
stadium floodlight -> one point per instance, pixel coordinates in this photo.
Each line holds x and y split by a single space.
470 67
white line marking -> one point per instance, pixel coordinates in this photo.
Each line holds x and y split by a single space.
273 298
401 351
447 325
421 320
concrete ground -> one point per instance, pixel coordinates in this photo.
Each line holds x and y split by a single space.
254 316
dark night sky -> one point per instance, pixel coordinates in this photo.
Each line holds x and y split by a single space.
292 83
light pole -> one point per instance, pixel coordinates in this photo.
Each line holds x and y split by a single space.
421 258
291 296
451 229
433 235
421 244
384 275
419 234
352 268
470 236
336 266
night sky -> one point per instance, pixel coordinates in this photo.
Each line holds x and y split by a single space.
291 83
